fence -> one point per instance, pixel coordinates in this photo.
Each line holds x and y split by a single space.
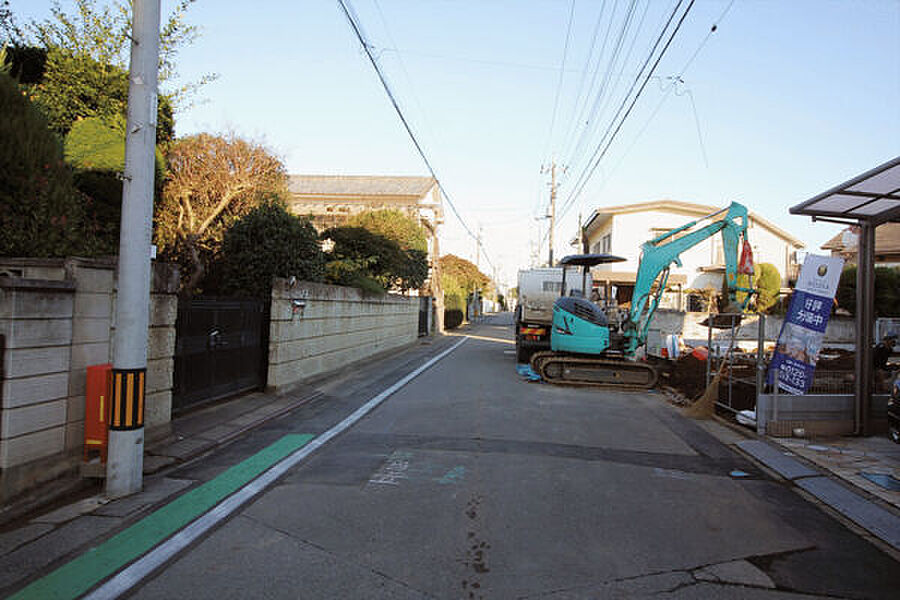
828 406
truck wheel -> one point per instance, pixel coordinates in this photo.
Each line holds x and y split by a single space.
522 355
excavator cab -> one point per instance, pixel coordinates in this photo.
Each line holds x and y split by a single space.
586 350
579 325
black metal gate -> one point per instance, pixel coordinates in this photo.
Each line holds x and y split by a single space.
221 348
424 305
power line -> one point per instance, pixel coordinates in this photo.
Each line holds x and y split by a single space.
587 171
618 128
562 68
357 29
674 80
573 124
602 97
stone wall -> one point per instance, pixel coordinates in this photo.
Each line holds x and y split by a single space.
317 328
57 317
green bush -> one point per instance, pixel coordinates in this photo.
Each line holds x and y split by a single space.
96 148
361 258
767 283
267 242
40 209
26 63
454 299
887 291
453 318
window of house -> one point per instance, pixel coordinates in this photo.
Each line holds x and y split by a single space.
655 232
606 244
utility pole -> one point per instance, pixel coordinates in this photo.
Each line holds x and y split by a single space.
552 215
124 468
478 248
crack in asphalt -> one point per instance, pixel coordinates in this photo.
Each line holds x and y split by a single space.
337 556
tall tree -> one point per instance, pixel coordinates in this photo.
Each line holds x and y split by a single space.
211 182
464 273
394 225
103 33
265 243
75 64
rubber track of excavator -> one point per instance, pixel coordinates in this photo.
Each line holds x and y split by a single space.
563 369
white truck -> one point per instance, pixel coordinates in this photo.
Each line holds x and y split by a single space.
538 290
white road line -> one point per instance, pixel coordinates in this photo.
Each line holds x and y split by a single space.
156 558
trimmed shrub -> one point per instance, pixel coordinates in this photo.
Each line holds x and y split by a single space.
453 318
887 291
768 283
265 243
40 209
96 148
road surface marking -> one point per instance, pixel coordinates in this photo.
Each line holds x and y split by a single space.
393 470
491 339
155 559
79 575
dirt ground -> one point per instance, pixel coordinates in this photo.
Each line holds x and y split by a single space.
687 376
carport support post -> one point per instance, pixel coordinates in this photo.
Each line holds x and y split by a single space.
865 311
124 468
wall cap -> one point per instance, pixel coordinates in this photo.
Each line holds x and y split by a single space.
37 285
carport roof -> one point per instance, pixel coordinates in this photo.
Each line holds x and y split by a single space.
872 198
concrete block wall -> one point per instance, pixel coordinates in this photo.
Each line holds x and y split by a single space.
316 328
816 414
36 327
57 317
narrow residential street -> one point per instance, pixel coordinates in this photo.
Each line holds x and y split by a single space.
472 483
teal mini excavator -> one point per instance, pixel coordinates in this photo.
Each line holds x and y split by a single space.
590 348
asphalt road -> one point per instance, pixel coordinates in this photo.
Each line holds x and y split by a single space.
470 482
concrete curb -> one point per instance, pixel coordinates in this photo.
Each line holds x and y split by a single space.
843 496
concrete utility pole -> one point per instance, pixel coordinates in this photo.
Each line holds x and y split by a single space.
478 249
124 469
552 215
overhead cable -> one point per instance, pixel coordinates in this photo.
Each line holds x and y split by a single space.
602 152
585 173
357 29
562 70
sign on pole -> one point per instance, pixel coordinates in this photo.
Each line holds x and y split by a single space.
804 326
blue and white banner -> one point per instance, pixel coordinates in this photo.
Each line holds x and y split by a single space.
804 326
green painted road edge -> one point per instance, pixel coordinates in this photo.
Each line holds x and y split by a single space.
81 574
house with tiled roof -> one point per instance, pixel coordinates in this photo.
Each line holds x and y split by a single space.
621 230
887 245
331 199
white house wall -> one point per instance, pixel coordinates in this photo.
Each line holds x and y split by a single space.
770 248
630 230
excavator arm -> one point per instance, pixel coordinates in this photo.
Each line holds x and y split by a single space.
659 254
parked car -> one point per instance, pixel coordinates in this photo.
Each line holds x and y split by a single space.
893 411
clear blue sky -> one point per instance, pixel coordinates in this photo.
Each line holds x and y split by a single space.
791 98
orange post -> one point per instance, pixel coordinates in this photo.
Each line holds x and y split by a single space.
96 411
